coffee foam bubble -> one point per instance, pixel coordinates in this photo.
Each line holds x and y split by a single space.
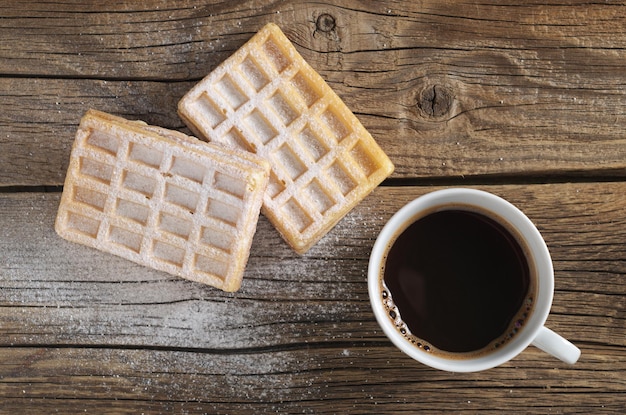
517 323
394 315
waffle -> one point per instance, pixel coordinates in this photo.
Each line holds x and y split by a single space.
162 199
266 99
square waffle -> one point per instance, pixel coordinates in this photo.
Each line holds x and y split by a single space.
162 199
266 99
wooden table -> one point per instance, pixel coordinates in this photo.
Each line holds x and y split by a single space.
523 99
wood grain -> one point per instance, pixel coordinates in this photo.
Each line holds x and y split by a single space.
468 89
92 330
522 99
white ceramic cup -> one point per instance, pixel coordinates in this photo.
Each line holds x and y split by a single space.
533 331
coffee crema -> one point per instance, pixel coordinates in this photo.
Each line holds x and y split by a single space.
457 283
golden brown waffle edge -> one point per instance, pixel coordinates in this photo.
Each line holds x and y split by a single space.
162 199
266 99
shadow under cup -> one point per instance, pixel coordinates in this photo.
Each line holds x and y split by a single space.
518 325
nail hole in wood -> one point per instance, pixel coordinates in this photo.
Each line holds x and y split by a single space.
325 23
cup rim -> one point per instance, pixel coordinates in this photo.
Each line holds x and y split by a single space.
504 210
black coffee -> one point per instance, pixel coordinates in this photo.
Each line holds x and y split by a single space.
460 282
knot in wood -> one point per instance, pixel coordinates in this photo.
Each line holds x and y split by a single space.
435 101
325 23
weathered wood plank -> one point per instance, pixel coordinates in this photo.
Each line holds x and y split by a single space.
448 91
117 40
327 379
178 41
56 292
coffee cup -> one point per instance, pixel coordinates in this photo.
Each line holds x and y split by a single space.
461 280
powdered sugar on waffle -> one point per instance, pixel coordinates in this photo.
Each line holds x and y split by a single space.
266 99
162 199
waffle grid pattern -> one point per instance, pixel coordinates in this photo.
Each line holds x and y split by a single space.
266 99
160 203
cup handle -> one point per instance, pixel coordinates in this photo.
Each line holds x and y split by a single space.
557 346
